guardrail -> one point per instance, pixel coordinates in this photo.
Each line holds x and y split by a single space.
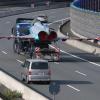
15 2
92 5
32 9
29 2
85 22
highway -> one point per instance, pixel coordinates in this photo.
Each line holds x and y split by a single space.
75 77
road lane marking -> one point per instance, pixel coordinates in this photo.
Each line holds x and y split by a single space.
4 52
7 22
20 61
93 63
80 73
73 88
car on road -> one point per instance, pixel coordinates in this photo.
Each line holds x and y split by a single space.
36 70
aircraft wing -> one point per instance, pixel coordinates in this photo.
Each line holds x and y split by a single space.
75 38
55 40
15 37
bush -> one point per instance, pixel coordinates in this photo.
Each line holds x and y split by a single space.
11 95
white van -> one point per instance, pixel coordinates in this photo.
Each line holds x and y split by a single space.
36 70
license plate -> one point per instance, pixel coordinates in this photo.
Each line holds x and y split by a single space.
41 73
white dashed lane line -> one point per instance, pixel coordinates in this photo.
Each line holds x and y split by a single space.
93 63
8 22
4 52
80 73
73 88
20 61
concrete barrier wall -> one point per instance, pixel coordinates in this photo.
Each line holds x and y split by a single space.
13 84
85 22
80 45
29 2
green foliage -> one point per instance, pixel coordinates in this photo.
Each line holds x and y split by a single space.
11 95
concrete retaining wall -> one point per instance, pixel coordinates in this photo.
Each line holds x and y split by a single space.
84 22
80 45
13 84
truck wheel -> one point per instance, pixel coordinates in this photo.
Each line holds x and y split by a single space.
16 48
12 30
31 55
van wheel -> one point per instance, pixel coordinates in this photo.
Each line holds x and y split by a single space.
22 78
27 81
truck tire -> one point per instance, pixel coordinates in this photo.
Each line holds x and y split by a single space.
16 47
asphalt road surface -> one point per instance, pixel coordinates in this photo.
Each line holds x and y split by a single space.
75 77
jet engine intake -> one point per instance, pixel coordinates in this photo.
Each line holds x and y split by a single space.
52 36
43 36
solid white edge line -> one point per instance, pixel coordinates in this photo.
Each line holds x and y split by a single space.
81 58
20 61
93 63
80 73
73 88
4 52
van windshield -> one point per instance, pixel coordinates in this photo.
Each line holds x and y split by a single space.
39 65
